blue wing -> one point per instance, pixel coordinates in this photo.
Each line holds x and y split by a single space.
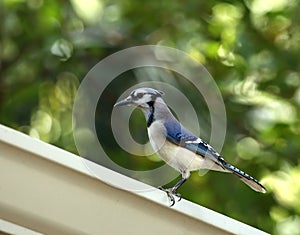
177 134
180 136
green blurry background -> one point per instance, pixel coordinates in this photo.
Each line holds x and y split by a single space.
251 48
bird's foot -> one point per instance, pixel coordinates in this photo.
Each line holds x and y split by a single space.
171 193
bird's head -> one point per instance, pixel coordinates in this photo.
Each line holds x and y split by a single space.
141 97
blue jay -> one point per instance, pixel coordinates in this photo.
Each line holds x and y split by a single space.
177 146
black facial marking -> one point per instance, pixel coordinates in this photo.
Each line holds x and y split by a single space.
140 95
150 118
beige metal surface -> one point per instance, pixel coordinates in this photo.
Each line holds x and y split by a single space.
50 191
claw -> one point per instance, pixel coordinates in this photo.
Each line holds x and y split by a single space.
171 193
178 195
171 198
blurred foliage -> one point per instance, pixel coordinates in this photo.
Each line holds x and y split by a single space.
250 47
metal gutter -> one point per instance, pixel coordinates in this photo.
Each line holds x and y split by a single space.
51 191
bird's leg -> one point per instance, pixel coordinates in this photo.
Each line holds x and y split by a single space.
171 192
176 186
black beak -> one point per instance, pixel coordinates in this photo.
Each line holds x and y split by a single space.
126 101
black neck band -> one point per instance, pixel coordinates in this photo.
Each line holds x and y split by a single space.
150 118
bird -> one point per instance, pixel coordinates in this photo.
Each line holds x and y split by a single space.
176 145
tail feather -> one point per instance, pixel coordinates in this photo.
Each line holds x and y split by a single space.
247 179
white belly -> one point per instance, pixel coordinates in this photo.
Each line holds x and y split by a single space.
179 158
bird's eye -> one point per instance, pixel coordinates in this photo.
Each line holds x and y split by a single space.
139 95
